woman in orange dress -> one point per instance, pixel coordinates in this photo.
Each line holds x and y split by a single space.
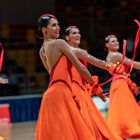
73 37
59 117
87 108
124 112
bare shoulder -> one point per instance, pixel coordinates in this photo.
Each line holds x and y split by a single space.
62 45
115 54
60 42
114 57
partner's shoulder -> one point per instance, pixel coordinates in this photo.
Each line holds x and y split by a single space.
60 41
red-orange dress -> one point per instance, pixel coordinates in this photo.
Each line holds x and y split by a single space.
88 110
124 112
59 117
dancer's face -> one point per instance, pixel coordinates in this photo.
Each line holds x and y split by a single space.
112 44
52 30
74 37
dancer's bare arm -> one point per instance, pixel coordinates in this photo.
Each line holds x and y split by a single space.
82 54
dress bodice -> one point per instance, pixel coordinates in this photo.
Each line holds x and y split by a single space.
76 75
61 70
119 69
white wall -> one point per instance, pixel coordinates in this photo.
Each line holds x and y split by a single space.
102 106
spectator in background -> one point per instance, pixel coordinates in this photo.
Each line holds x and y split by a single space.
3 80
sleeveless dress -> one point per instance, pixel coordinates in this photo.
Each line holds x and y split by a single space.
59 117
124 111
88 110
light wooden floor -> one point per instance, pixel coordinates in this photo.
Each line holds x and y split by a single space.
19 131
23 131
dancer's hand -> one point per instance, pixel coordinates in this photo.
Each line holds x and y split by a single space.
97 90
102 97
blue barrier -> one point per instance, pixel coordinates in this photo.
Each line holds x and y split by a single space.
23 108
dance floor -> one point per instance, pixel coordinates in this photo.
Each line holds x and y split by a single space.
19 131
23 131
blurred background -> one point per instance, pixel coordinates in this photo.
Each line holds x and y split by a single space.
28 79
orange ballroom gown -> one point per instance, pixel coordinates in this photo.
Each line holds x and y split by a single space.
88 110
124 111
59 117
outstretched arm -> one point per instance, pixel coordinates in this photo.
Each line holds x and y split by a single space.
82 54
136 64
66 49
127 61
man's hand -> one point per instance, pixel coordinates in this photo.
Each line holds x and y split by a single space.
3 81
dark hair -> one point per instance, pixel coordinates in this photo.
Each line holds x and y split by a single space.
108 37
67 31
43 21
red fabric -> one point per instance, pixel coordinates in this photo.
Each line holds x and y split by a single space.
137 38
5 113
1 56
96 89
